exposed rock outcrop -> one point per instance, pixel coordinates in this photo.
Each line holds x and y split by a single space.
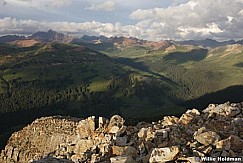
216 131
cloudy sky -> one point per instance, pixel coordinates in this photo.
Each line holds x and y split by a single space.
146 19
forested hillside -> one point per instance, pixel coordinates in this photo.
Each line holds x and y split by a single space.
137 82
193 71
69 79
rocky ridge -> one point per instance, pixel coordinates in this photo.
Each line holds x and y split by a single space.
217 131
50 36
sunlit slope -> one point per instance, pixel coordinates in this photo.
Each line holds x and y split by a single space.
38 76
135 82
196 71
74 80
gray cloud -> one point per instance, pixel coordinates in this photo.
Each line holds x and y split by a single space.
39 4
3 2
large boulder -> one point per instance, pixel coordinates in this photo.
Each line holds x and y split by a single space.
189 116
86 127
170 120
164 154
207 138
116 125
124 151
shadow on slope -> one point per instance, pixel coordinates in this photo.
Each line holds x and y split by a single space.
232 94
182 57
239 64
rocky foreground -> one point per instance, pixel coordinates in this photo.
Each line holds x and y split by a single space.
217 132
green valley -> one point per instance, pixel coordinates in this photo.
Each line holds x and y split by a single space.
191 71
138 80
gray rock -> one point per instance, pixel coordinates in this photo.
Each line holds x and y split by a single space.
121 141
163 132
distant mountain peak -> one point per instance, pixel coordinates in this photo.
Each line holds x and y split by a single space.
50 36
11 38
51 31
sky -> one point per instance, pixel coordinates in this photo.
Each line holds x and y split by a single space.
144 19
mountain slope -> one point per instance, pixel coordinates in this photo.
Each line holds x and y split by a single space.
68 79
206 43
53 66
138 79
191 71
195 71
139 75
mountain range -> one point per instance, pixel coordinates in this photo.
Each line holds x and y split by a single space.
52 36
49 73
49 36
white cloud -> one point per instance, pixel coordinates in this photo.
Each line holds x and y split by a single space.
11 25
105 6
142 14
59 3
192 4
241 12
178 2
194 19
189 31
187 19
230 18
